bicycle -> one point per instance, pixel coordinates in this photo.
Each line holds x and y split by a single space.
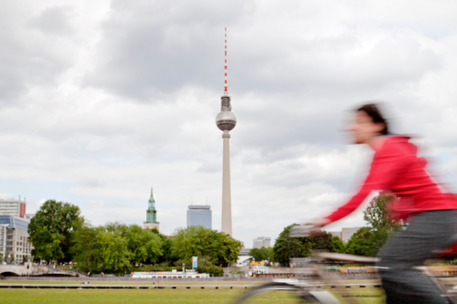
317 286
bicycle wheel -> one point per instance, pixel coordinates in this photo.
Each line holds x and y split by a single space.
276 292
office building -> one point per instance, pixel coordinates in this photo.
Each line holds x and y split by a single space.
245 251
3 228
346 233
14 238
262 242
12 207
337 234
199 215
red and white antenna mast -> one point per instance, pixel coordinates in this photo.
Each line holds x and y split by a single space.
226 121
225 88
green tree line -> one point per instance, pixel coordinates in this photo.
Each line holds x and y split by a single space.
59 233
263 254
287 247
366 241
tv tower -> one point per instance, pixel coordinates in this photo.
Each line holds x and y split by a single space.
226 121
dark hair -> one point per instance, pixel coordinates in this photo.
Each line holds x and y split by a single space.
372 110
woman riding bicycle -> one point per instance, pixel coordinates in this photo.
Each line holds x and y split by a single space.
428 211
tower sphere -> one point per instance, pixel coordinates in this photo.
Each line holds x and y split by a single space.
226 120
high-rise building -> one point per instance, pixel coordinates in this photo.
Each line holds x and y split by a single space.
346 233
151 214
338 234
14 238
199 215
226 121
262 242
13 207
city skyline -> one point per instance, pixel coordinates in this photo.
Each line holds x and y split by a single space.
99 100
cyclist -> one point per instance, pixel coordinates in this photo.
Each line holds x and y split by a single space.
428 211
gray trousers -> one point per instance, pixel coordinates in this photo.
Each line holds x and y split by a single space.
402 283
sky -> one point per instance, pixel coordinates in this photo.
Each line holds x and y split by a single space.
102 100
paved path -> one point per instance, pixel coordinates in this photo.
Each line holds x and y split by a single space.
100 286
148 286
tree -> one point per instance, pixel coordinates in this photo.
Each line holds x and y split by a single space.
368 240
145 246
199 241
86 249
271 255
114 253
225 248
167 257
287 247
117 227
337 245
206 265
361 243
114 246
51 228
379 215
260 254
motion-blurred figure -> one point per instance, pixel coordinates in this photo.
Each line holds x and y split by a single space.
428 211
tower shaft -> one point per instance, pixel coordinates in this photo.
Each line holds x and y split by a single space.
226 121
226 195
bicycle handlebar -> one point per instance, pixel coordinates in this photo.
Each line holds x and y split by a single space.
304 230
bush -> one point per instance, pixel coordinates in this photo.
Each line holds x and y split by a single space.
179 263
206 265
213 270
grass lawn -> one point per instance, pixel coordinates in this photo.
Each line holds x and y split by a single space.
368 295
163 296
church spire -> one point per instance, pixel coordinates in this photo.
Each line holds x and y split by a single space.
151 199
151 213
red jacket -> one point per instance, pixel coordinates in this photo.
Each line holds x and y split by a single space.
397 168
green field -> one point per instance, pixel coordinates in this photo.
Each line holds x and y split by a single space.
44 296
224 295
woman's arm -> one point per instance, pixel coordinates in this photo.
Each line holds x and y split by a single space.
386 167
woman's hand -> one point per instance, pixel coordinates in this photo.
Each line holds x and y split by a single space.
319 222
310 228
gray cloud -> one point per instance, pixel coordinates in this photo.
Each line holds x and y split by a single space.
54 21
155 48
29 59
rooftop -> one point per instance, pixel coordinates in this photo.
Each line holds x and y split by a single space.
204 207
14 222
12 200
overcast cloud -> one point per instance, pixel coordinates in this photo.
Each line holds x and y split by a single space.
101 100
